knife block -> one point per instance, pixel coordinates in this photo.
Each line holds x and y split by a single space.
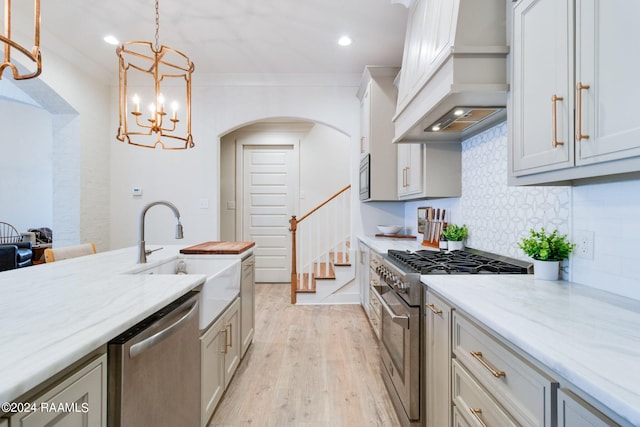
436 227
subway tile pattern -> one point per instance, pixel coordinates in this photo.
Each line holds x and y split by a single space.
498 215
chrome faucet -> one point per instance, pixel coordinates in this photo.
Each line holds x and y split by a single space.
142 252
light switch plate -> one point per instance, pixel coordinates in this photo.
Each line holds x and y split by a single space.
204 203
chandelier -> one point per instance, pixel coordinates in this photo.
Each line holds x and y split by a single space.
160 76
8 44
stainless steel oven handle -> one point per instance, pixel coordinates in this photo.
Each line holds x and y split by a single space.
395 318
143 345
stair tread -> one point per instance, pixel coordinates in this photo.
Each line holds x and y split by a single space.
306 283
324 271
340 259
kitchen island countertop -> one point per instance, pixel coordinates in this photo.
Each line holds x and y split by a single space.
54 314
588 337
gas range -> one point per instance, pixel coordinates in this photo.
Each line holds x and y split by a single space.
401 296
401 270
468 261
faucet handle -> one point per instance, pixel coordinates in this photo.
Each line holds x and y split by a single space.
150 251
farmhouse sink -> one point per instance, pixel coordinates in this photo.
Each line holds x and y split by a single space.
221 286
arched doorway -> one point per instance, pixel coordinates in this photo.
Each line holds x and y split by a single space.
271 170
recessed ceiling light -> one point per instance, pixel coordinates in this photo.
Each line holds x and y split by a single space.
344 41
111 40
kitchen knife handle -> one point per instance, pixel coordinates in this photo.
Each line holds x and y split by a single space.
554 120
579 135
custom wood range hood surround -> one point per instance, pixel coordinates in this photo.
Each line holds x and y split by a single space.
453 81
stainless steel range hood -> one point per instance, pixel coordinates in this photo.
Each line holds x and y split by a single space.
453 81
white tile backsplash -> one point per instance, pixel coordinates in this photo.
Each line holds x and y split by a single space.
499 215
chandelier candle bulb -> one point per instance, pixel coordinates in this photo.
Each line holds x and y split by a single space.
174 106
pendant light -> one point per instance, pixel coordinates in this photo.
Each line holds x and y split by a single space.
160 77
8 44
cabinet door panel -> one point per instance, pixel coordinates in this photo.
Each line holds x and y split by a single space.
606 35
541 51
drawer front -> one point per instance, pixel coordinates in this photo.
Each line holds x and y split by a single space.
525 392
473 404
575 412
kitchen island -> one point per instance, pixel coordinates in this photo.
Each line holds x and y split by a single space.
585 339
53 315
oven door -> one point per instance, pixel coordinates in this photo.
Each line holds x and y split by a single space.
401 350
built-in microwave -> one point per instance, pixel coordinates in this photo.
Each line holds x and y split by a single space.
365 178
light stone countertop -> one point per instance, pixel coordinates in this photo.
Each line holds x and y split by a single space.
383 244
588 337
54 314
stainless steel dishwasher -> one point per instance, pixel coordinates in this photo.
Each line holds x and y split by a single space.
154 369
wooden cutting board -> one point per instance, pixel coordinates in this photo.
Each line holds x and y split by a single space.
219 248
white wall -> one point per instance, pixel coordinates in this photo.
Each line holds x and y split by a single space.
324 166
26 164
79 109
220 104
498 215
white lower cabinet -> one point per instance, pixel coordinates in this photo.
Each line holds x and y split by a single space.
220 356
79 400
575 412
438 361
526 393
247 302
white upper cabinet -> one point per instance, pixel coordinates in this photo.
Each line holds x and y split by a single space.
431 170
569 117
378 95
409 170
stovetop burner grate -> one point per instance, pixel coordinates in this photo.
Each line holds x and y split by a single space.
469 261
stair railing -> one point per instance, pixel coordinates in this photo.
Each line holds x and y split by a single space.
326 230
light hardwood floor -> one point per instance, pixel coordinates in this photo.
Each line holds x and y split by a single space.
307 366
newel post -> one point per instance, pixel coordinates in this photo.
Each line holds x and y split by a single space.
294 274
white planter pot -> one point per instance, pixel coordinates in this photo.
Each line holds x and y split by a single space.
546 270
455 246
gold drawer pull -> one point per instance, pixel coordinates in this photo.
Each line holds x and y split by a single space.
579 135
476 412
495 373
434 309
554 120
226 335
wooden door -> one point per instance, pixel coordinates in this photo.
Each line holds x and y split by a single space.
269 185
542 55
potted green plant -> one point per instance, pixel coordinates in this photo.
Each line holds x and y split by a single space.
455 235
547 250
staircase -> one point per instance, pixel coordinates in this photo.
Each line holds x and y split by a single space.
321 270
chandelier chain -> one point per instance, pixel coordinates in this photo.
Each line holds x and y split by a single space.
157 47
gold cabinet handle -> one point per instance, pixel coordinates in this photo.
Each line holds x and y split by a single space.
362 144
408 175
231 335
226 335
434 309
476 412
478 356
554 120
579 88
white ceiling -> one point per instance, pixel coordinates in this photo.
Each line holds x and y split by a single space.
233 36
